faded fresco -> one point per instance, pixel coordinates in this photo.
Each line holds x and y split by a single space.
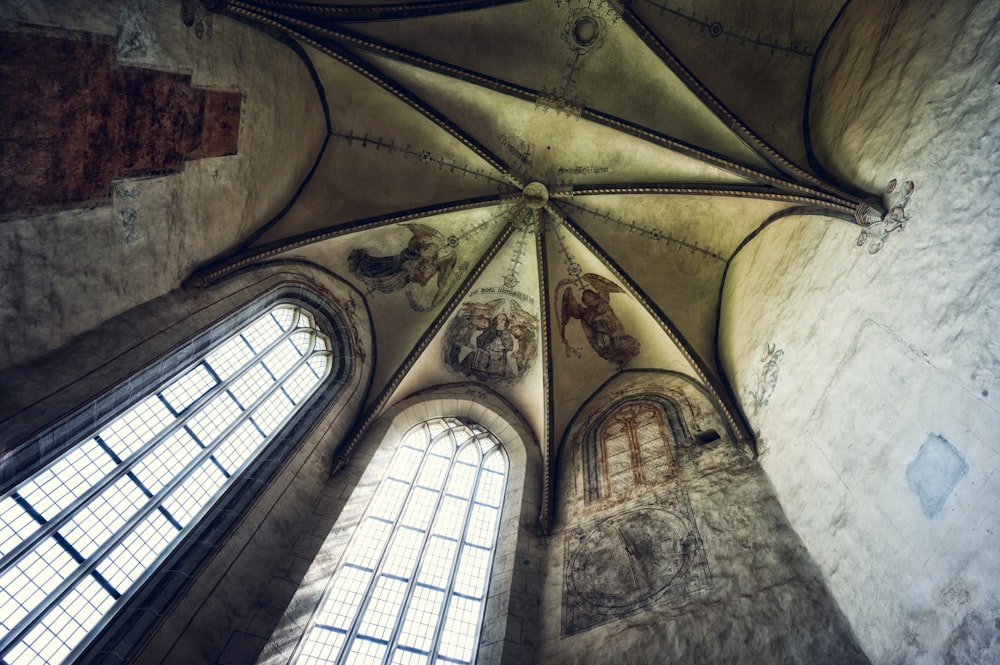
425 268
492 340
603 329
626 562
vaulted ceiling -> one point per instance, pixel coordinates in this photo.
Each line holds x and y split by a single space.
539 194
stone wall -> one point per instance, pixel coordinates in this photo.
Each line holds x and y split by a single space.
690 561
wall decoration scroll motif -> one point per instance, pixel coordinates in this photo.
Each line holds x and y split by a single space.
425 268
493 340
765 378
602 328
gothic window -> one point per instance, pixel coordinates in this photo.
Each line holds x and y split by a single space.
411 586
633 445
79 536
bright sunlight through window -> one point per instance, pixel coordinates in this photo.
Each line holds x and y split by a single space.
77 536
411 587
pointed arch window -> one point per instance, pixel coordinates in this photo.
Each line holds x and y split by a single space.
411 586
79 536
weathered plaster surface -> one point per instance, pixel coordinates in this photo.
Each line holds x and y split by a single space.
63 273
883 355
765 599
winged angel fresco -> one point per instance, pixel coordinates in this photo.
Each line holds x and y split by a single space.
492 341
426 255
601 326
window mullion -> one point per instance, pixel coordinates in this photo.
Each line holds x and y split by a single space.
126 465
398 628
152 504
450 589
352 634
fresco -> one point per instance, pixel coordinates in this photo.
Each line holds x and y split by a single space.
493 340
603 329
425 268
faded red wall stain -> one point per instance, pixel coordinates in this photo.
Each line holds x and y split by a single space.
72 121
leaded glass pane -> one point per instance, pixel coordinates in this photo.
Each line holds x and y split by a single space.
85 529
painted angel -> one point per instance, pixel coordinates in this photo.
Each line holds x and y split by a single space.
426 255
601 326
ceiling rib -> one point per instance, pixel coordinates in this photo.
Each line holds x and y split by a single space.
386 11
213 272
652 40
718 389
285 24
605 119
343 454
545 518
746 192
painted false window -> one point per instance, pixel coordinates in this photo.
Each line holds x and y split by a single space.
411 586
80 534
632 446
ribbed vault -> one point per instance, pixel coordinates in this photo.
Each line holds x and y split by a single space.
537 195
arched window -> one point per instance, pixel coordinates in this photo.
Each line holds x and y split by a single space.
79 536
411 585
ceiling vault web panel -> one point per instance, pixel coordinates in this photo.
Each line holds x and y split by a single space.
633 19
292 27
215 271
702 369
378 404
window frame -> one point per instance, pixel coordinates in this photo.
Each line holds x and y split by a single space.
493 447
159 587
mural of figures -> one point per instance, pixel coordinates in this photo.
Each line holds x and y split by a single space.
492 341
427 255
601 326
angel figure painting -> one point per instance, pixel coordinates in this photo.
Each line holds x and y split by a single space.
427 257
601 326
492 341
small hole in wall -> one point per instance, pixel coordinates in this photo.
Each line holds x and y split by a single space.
707 437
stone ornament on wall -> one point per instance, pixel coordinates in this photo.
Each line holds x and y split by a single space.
631 560
876 226
495 340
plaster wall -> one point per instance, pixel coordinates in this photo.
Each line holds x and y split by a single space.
749 591
872 379
66 271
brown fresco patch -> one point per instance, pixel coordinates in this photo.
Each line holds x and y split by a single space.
72 121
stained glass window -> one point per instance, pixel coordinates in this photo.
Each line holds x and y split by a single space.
411 586
79 535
